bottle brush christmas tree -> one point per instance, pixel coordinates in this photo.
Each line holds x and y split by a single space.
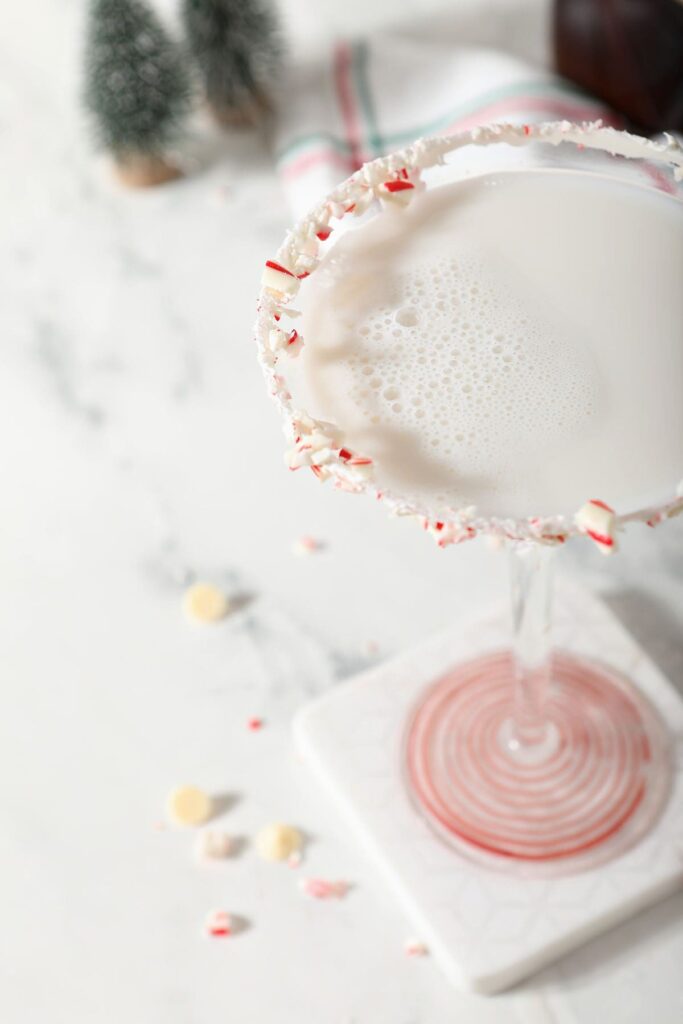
237 49
136 88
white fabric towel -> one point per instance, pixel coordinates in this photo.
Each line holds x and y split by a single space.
361 99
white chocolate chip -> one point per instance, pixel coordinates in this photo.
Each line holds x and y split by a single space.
278 842
188 805
206 603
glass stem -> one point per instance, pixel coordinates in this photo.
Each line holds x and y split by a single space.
531 578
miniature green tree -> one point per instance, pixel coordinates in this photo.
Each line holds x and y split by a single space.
236 45
137 88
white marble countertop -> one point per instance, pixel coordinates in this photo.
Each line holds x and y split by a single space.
139 450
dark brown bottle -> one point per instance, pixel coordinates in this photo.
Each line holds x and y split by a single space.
627 52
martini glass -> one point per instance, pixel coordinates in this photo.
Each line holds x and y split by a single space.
526 758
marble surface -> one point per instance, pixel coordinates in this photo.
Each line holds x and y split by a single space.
139 451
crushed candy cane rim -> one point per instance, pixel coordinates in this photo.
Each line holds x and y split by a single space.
394 180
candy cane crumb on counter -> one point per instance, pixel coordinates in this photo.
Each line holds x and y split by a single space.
324 888
218 924
307 545
415 948
212 845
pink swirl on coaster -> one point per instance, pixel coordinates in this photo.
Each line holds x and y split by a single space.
602 776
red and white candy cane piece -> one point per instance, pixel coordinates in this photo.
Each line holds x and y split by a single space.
450 533
547 533
321 456
360 464
362 203
337 210
306 545
348 486
676 507
353 460
312 450
670 512
213 845
307 246
294 343
290 342
397 186
362 470
321 442
323 888
278 279
297 458
306 263
280 385
398 191
218 924
316 448
315 459
316 433
277 339
414 948
598 521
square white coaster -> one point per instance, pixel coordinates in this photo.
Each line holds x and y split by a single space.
485 928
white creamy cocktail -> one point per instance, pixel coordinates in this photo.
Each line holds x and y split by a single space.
512 342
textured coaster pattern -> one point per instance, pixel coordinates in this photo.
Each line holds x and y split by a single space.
487 929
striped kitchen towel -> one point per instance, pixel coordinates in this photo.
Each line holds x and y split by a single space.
366 98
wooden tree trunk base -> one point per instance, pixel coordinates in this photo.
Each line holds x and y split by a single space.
144 170
243 115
